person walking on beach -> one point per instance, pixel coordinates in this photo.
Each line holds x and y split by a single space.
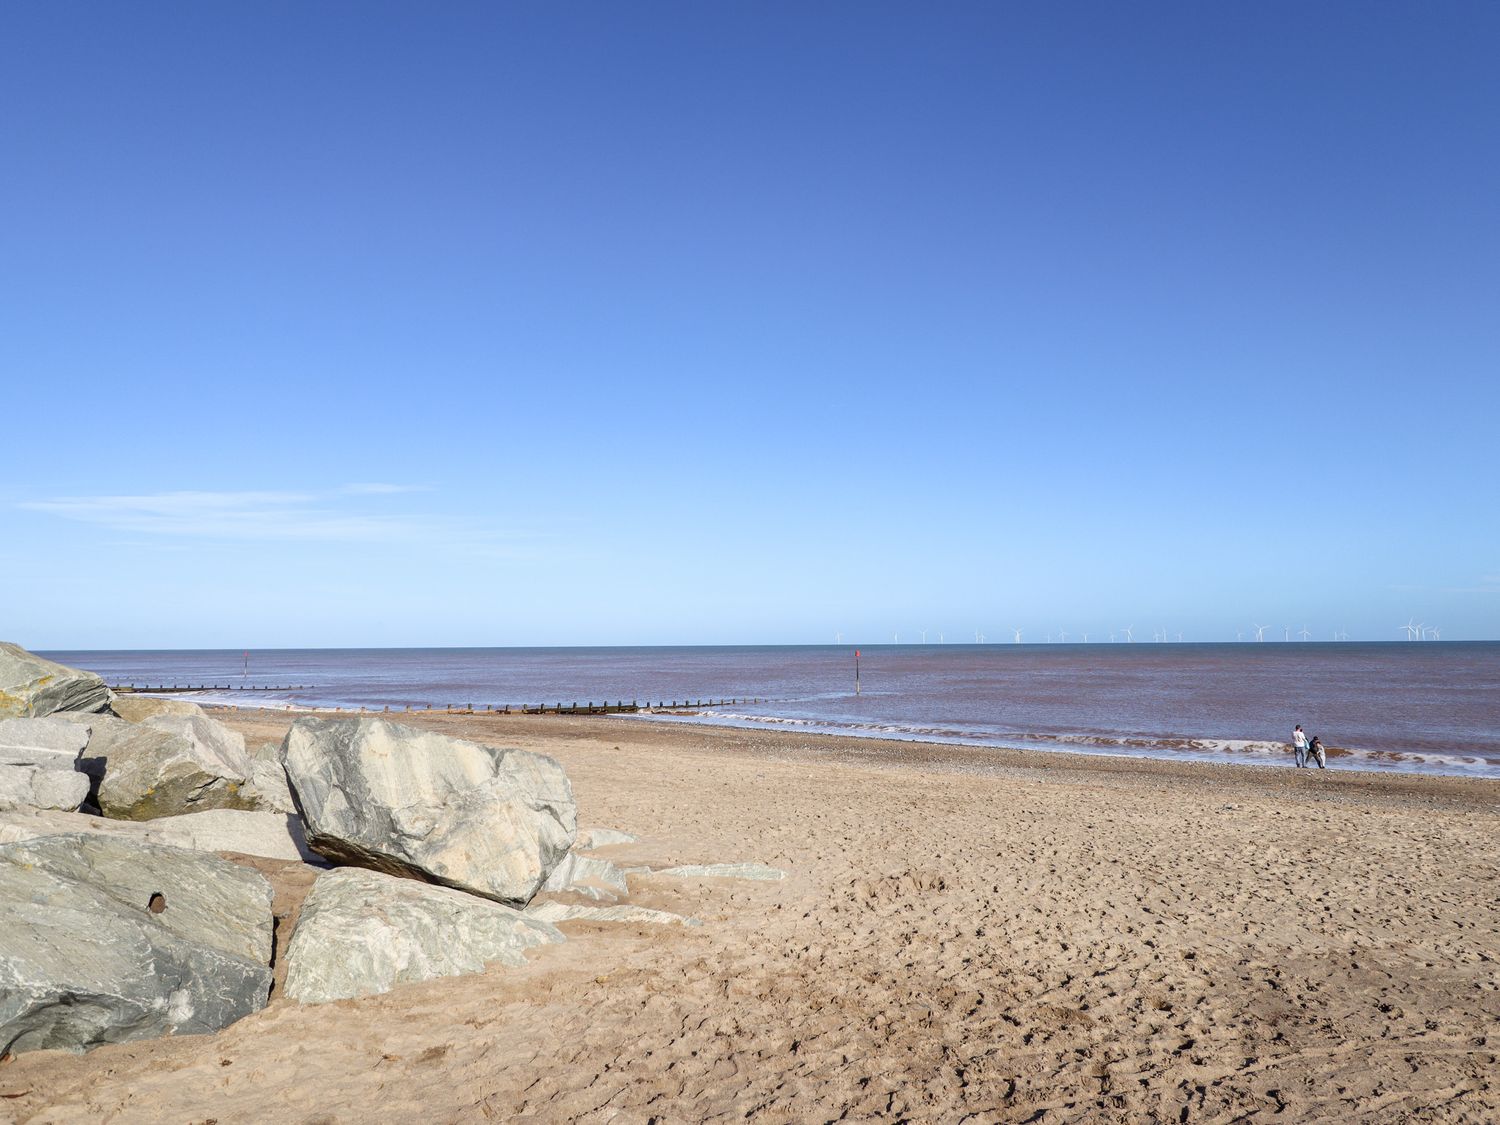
1299 746
1315 748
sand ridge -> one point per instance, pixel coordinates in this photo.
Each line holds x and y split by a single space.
965 935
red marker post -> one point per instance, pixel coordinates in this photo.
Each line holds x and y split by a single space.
856 671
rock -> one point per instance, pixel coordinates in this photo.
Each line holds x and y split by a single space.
30 824
362 933
104 731
38 763
105 940
40 787
273 835
216 743
556 912
138 708
169 765
53 742
268 780
722 871
591 838
424 805
587 876
31 686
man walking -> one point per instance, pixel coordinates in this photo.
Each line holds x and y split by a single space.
1299 746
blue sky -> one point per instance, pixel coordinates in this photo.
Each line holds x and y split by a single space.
341 324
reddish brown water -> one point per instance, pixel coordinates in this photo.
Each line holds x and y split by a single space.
1426 706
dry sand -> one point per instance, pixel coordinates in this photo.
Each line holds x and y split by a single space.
966 935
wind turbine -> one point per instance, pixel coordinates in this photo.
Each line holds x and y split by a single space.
1018 636
1304 634
1286 632
924 636
838 638
1179 638
1085 638
1129 635
1434 631
1111 636
1063 636
1260 632
1239 634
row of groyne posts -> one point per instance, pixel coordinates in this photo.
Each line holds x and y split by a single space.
604 707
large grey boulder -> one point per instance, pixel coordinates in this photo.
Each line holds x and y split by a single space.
169 765
361 933
31 686
40 787
268 780
272 834
268 834
53 742
38 763
420 804
138 708
104 940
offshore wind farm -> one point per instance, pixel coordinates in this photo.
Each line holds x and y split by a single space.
1413 631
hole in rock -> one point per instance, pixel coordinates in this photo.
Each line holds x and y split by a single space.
157 903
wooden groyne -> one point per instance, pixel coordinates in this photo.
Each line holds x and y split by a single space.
604 707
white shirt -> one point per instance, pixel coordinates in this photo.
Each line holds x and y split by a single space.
1299 740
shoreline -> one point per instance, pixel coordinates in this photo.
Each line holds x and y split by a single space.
923 748
788 747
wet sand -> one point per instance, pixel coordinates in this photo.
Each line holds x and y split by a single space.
967 934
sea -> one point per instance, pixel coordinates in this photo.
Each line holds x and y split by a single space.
1419 706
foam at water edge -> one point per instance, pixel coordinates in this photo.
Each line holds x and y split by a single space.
1224 750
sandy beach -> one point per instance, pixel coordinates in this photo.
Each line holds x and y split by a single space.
965 935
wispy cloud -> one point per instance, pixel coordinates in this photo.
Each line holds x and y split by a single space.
242 515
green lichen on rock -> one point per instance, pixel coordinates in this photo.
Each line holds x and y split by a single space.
31 686
170 765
